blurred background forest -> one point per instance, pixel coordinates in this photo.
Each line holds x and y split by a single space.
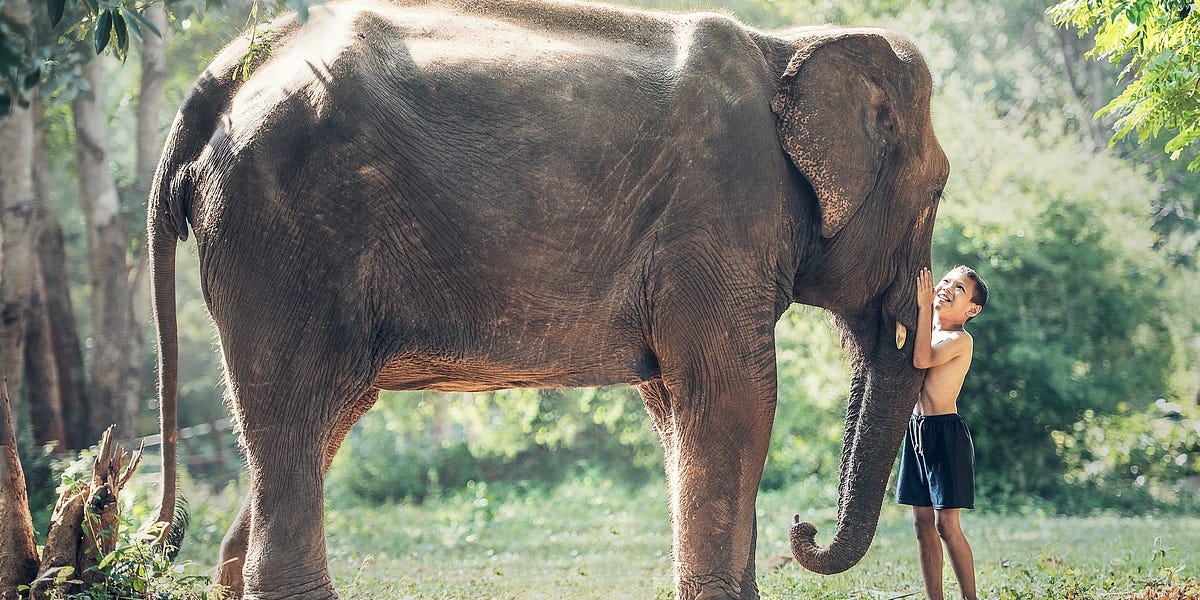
1083 395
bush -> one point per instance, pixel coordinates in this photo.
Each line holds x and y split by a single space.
1132 461
136 567
413 446
814 384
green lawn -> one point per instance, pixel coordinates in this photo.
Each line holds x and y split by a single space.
592 540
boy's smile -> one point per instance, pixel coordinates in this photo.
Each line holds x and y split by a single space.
952 298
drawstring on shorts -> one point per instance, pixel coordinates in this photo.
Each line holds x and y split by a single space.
916 426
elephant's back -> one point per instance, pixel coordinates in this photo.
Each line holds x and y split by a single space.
429 103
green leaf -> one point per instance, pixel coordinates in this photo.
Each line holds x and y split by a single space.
139 18
55 8
107 560
121 31
131 20
1185 138
103 31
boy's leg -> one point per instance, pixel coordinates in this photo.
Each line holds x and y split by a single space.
961 558
929 549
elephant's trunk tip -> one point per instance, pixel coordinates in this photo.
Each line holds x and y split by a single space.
809 555
804 533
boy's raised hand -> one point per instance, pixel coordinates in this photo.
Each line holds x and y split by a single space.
924 289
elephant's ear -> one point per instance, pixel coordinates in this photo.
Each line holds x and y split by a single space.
836 120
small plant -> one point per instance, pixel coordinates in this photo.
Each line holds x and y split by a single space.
258 49
89 550
139 568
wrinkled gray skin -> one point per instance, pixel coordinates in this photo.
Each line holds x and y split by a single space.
516 194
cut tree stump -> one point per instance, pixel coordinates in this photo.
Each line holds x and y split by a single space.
83 529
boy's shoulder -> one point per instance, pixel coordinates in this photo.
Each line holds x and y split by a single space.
952 334
959 339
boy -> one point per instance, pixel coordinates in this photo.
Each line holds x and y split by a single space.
937 465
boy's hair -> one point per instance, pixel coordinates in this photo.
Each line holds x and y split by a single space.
980 295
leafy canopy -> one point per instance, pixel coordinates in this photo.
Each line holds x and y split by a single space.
1157 41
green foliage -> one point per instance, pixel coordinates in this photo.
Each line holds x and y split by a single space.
139 569
814 382
29 52
1133 459
110 23
415 445
20 69
1156 40
136 568
258 49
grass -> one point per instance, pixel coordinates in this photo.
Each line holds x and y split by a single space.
591 539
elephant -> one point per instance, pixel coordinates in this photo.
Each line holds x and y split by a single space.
466 195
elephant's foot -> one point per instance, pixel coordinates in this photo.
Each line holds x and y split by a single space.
716 589
229 575
322 590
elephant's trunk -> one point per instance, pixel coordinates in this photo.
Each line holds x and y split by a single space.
882 394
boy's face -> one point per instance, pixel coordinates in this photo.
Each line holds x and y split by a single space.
952 297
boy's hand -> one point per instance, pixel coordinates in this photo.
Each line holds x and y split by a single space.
924 289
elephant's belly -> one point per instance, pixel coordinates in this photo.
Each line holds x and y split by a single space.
463 376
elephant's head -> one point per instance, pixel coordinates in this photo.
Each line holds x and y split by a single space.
853 115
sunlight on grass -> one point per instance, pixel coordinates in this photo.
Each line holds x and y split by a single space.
583 540
595 539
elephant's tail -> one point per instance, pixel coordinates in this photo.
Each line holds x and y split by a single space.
175 189
164 230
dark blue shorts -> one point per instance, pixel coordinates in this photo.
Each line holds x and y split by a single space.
937 465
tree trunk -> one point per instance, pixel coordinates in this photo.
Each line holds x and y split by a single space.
64 335
149 146
85 524
41 369
115 386
154 78
41 376
18 551
62 541
19 218
65 346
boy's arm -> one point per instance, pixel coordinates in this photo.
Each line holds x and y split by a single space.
926 354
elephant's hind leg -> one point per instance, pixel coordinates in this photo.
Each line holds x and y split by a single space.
233 547
289 406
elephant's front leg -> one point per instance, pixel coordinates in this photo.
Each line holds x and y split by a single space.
720 436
